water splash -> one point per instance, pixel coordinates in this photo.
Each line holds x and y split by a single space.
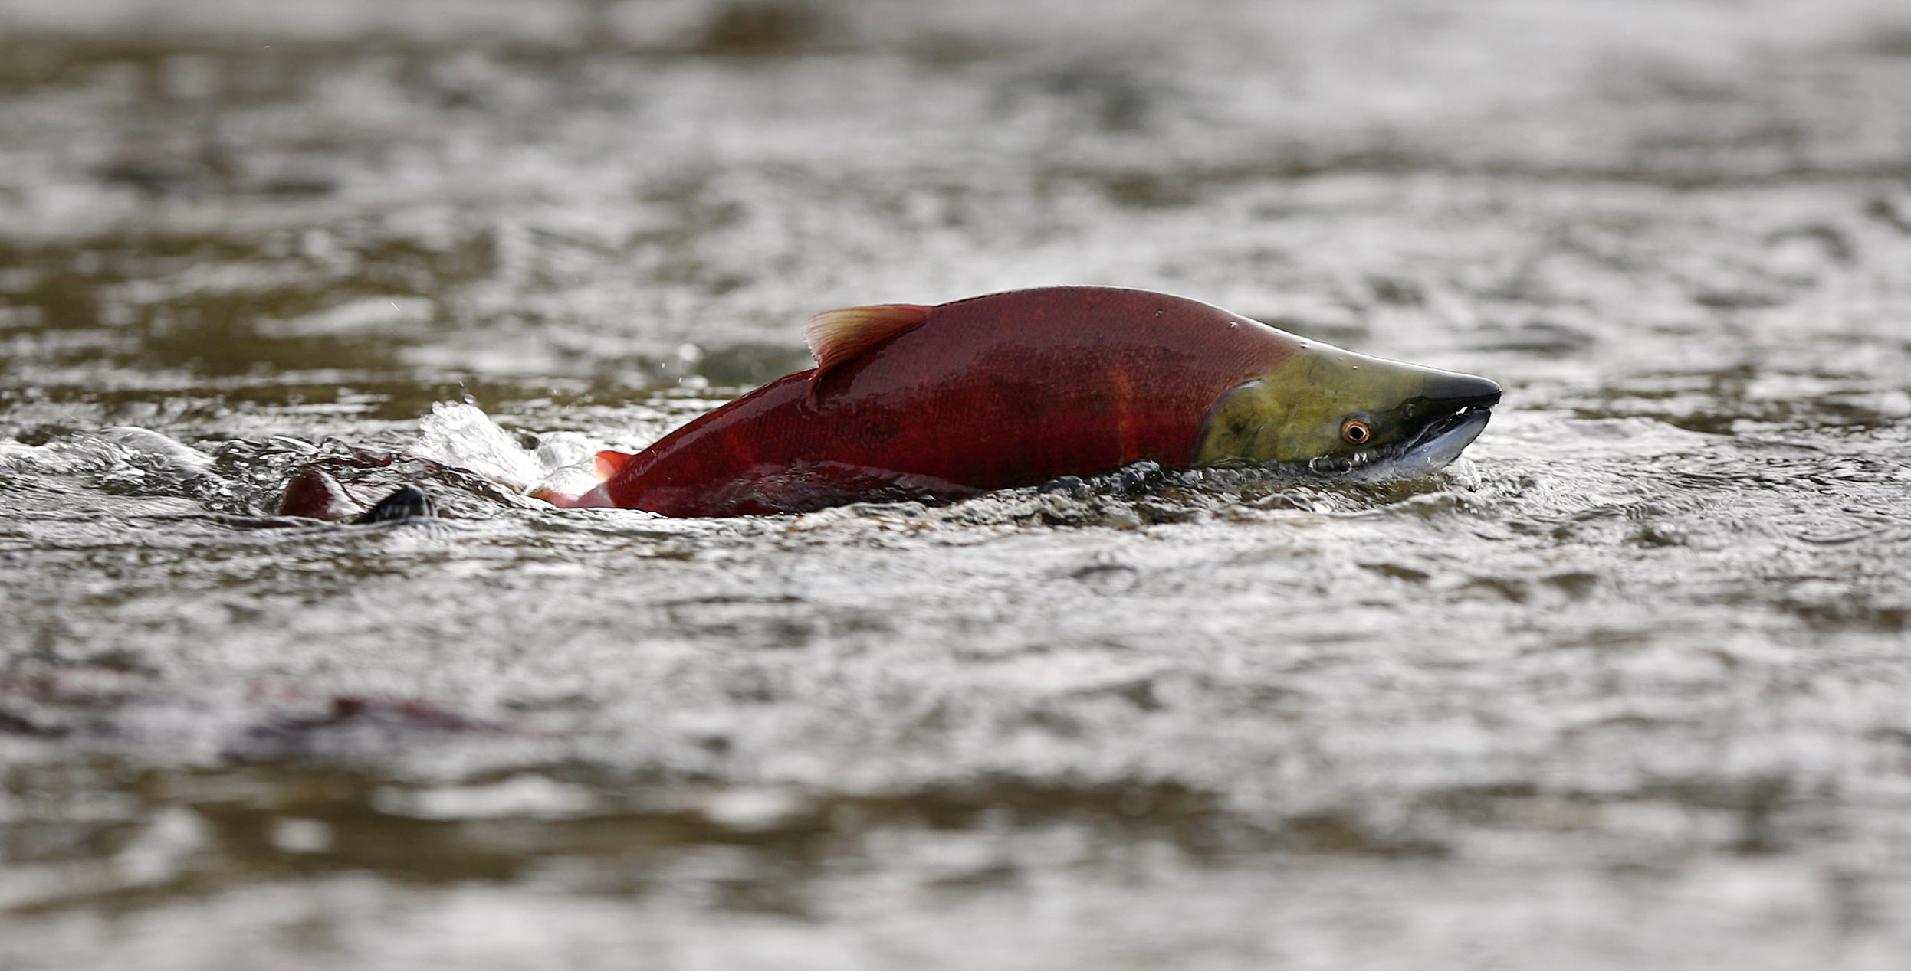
461 435
107 450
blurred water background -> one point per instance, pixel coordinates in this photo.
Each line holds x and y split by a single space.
1625 687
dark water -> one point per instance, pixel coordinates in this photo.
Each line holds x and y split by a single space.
1626 686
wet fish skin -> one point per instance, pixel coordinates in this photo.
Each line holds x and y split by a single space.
1017 388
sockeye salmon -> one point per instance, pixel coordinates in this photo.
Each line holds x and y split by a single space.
1018 388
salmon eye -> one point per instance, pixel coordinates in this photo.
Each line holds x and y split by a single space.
1356 432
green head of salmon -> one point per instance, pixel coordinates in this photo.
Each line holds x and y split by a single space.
1337 412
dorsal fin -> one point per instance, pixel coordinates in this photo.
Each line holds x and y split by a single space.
836 336
608 462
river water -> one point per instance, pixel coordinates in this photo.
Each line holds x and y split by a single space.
1625 686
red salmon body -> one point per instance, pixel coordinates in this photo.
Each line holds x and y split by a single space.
1010 389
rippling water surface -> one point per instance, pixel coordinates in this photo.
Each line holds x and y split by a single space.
1626 686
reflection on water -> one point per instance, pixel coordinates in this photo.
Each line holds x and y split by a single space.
1625 685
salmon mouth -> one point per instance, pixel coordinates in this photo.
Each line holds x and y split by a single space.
1435 432
1433 446
1430 449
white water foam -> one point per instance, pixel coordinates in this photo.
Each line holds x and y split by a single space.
105 450
460 434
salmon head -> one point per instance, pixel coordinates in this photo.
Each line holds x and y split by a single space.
1345 414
